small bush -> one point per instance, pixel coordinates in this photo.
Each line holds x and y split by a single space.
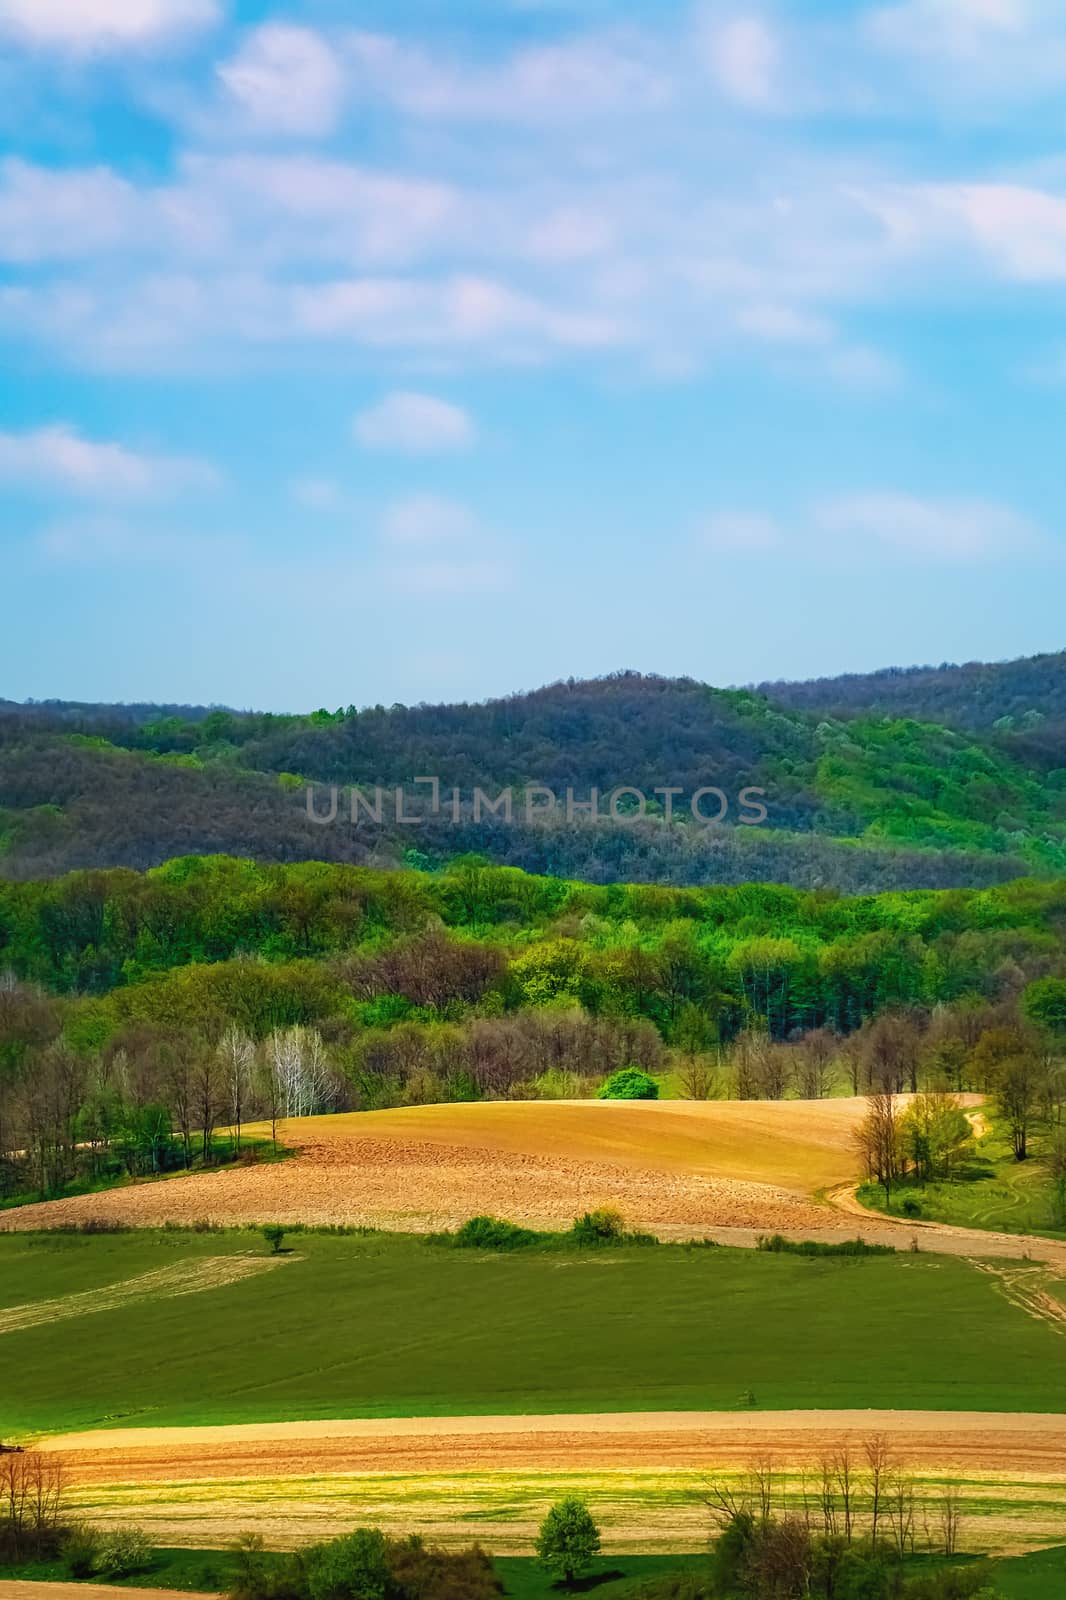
122 1553
490 1233
777 1244
273 1234
912 1207
81 1551
629 1083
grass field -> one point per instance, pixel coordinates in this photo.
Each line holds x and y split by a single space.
993 1191
1040 1576
391 1326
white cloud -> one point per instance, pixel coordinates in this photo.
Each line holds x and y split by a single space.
284 80
98 25
859 366
1022 229
956 28
58 459
436 545
317 494
49 214
931 529
740 533
464 310
417 423
571 233
783 324
574 79
743 56
452 577
428 519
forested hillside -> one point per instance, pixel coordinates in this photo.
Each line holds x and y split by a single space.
860 802
1023 693
141 1007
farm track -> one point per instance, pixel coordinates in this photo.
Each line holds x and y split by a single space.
946 1238
29 1589
166 1283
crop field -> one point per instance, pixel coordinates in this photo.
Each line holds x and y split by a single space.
691 1165
395 1326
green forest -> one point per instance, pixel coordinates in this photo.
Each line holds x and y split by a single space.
922 797
140 1011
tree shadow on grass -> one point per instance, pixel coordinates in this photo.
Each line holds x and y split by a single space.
591 1581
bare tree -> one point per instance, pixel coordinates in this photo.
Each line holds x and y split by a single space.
237 1055
844 1478
950 1518
816 1053
878 1139
877 1461
299 1064
31 1501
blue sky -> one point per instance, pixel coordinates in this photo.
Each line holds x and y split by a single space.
435 349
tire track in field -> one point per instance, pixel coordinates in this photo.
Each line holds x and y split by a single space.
164 1283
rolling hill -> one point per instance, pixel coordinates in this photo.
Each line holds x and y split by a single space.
897 780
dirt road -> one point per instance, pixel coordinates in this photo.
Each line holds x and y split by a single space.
943 1238
11 1589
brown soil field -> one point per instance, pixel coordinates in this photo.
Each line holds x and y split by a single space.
728 1170
957 1441
492 1478
728 1164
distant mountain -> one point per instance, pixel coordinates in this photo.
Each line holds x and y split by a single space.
976 695
860 794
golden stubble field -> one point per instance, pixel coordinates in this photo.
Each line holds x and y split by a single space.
682 1165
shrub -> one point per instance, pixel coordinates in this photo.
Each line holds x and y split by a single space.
629 1083
568 1539
422 1573
355 1565
490 1233
912 1207
273 1234
81 1550
604 1226
123 1552
776 1244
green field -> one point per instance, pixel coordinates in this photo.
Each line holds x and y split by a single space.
389 1325
1041 1576
991 1191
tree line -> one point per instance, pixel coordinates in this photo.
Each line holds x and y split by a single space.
850 1532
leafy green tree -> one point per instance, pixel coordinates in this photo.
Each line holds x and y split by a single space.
353 1568
630 1083
569 1540
1045 1004
935 1134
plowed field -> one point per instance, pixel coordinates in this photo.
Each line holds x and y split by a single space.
691 1165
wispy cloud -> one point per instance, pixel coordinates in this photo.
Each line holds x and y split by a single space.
428 519
58 460
744 58
284 80
573 79
743 532
416 423
434 544
880 525
82 26
929 529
